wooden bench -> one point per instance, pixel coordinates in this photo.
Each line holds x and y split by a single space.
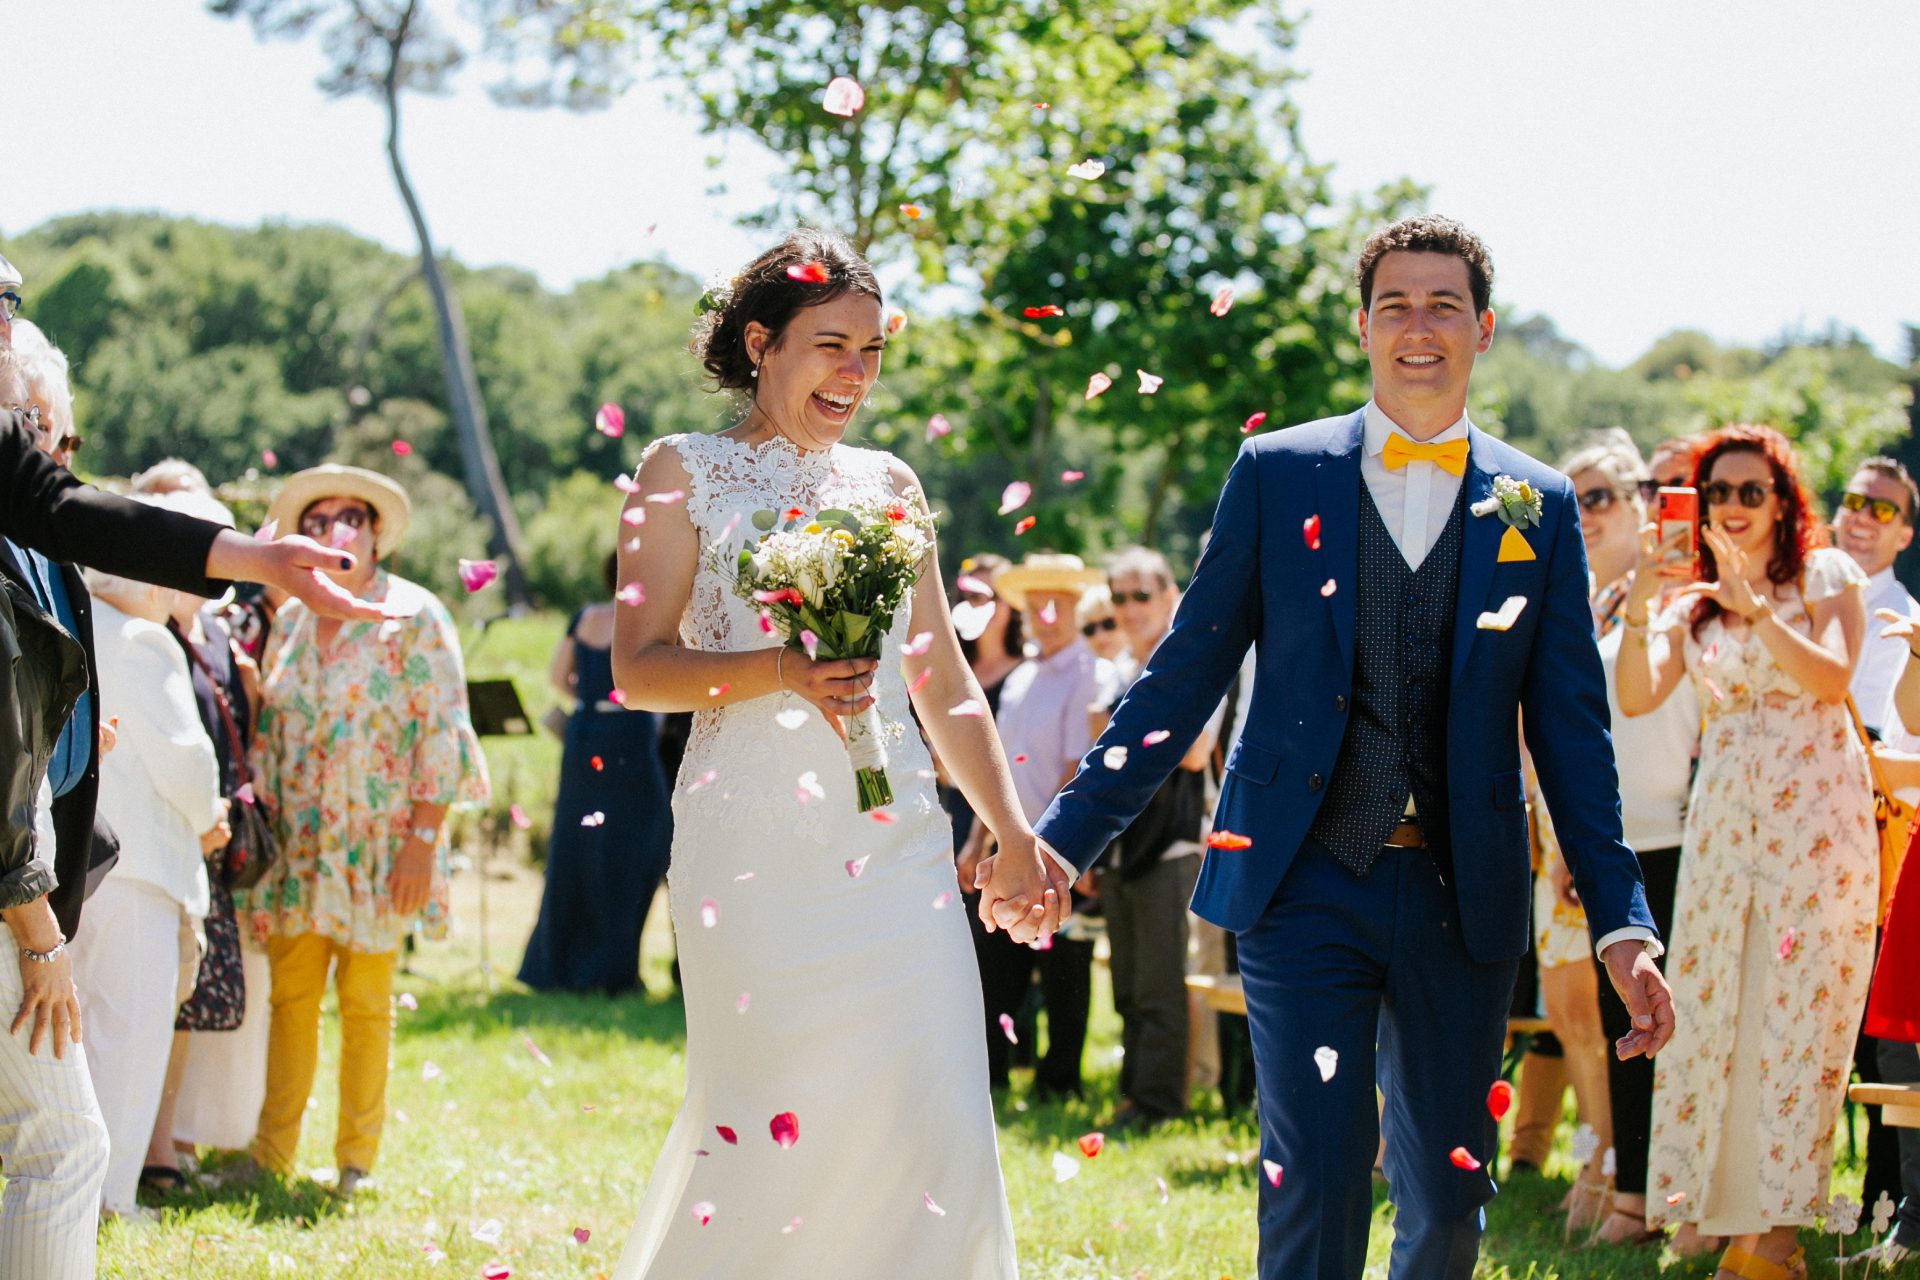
1224 994
1899 1103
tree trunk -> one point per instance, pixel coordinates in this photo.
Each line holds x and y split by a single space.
1170 462
485 484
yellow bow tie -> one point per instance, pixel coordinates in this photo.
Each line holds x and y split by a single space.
1449 455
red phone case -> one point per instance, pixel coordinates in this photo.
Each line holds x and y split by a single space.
1678 510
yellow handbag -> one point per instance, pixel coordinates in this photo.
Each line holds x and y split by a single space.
1893 817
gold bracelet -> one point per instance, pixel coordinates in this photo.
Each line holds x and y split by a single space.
1627 622
779 657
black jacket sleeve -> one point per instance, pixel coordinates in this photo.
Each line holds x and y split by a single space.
43 506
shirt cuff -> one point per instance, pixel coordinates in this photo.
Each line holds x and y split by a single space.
1073 872
1631 933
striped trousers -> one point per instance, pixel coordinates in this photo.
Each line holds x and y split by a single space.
53 1152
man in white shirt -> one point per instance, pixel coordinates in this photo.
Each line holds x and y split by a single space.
1874 524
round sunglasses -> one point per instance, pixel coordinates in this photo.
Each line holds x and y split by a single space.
1720 493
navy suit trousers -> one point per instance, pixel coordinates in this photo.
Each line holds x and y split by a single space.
1358 965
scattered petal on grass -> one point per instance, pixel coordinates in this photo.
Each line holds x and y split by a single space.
1273 1171
1065 1167
581 1235
519 817
611 421
1499 1099
843 97
407 1001
535 1052
1462 1158
1097 383
785 1129
1224 839
495 1271
1327 1060
489 1232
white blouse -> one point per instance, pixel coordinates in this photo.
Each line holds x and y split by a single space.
160 785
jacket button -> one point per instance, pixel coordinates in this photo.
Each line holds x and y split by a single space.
1313 783
1339 702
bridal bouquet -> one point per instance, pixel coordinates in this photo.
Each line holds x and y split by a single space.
830 583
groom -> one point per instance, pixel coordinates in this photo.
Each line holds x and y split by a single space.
1403 624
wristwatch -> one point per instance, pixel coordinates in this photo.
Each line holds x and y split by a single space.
426 835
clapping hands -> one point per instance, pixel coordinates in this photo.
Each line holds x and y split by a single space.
1732 591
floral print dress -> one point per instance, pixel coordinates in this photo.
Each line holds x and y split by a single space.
1772 938
350 739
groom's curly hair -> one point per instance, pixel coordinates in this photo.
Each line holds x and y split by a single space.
1428 233
772 289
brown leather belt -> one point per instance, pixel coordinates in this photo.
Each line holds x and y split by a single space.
1407 836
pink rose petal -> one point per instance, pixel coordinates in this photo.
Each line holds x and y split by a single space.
519 817
843 97
855 866
1149 384
631 594
1273 1171
1015 496
611 421
594 819
1049 613
475 574
703 1212
740 1005
937 426
926 1198
1463 1159
709 912
1222 300
917 646
668 498
1070 477
810 642
793 1225
534 1051
940 903
1097 383
1006 1029
341 536
402 448
269 458
581 1235
626 484
495 1271
1787 940
634 516
1155 738
1329 587
704 780
407 1001
970 707
920 682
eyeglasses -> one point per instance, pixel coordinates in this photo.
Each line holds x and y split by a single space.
318 524
1753 494
29 414
10 304
1093 628
1138 597
1883 510
1598 500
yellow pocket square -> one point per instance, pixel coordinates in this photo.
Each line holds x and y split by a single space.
1513 546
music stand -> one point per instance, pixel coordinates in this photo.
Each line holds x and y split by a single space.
495 708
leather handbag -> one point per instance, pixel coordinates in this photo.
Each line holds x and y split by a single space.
252 849
1892 816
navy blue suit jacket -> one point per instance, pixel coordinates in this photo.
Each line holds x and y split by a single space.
1259 583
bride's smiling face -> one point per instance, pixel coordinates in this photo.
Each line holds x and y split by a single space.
816 374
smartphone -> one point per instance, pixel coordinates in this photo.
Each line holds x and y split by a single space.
1677 513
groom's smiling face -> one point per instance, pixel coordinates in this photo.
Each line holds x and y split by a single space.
1421 336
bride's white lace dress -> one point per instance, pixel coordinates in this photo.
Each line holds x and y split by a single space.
828 971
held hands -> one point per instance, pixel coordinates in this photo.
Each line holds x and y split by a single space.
1644 991
411 877
838 688
1023 890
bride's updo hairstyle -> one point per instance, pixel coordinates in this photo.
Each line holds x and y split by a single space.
807 268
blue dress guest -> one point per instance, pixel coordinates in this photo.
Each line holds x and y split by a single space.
611 826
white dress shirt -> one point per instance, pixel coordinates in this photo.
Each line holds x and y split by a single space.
1415 500
1882 659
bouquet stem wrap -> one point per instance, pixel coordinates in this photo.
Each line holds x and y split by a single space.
867 748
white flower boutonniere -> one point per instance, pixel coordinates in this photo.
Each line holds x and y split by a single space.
1516 502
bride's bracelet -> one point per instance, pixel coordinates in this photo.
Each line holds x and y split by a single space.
779 657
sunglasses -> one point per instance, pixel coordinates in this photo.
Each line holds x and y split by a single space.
1753 494
1883 511
1094 628
1598 500
318 524
1138 597
10 303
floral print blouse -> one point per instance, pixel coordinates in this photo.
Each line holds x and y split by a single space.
350 739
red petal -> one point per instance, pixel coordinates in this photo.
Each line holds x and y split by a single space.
1228 840
402 448
703 1212
1462 1158
1499 1099
1252 424
1024 525
785 1128
611 421
912 210
1041 313
1090 1144
597 763
808 272
727 1135
581 1235
1222 300
1273 1171
1310 530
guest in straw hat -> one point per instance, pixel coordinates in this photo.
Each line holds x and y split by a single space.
365 742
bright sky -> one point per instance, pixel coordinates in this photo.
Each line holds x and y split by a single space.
1635 167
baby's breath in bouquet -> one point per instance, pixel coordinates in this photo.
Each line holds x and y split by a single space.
829 583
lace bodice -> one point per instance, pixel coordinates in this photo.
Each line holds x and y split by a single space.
728 482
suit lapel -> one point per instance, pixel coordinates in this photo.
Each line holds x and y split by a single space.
1337 493
1479 551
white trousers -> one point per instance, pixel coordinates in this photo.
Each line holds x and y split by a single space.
53 1149
225 1080
126 964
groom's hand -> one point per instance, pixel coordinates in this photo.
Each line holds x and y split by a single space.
1644 991
1022 891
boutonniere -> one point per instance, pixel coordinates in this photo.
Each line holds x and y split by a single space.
1518 505
1516 502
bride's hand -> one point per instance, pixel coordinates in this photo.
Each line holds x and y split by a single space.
838 687
1022 890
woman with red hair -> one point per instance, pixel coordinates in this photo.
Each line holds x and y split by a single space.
1773 920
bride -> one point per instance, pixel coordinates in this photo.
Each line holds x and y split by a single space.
837 1120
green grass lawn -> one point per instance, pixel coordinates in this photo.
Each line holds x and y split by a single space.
483 1131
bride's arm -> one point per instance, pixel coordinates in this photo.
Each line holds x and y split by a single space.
969 747
651 669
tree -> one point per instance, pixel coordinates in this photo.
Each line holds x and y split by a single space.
381 48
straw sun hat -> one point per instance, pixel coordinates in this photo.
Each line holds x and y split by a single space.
1045 571
331 480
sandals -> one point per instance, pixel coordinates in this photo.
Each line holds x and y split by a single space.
162 1180
1747 1265
1634 1232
